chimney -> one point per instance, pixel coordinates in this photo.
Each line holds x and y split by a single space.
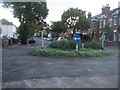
119 4
89 15
103 9
107 8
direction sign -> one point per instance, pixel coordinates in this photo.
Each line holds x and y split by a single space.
77 38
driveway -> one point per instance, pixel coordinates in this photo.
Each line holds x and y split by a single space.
23 70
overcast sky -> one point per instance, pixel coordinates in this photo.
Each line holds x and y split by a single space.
57 7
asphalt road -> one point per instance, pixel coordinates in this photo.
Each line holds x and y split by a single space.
21 69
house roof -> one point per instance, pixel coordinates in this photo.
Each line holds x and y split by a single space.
5 22
107 15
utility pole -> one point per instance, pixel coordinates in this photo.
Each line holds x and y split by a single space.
42 39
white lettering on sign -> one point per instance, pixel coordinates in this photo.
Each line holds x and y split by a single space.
77 38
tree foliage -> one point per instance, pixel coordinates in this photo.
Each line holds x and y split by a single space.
28 11
75 18
58 27
108 31
29 15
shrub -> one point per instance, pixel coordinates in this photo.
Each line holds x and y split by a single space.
79 54
63 45
85 38
93 45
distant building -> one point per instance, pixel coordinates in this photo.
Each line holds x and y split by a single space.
7 28
119 4
0 27
101 20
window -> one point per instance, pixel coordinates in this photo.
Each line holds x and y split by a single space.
110 22
94 25
104 22
114 35
100 24
115 21
119 20
119 37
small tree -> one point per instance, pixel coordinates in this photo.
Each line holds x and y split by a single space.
75 18
23 33
108 31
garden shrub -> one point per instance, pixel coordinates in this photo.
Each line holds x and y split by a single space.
93 45
79 54
85 38
63 45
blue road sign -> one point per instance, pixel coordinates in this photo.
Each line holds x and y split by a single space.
77 38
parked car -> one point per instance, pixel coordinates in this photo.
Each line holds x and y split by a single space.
31 40
61 38
49 39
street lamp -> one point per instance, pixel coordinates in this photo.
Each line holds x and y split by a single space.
44 27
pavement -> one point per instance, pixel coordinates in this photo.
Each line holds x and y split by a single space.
20 69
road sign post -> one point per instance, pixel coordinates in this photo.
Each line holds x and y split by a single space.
76 40
42 40
77 46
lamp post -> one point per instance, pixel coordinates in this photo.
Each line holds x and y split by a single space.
44 27
42 39
42 36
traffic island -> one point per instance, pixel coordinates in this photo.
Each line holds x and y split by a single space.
86 53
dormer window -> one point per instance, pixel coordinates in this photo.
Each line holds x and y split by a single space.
103 17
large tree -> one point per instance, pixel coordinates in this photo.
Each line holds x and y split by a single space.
75 18
29 15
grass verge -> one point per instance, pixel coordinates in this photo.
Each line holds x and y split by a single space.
86 53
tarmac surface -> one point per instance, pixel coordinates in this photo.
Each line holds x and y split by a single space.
20 69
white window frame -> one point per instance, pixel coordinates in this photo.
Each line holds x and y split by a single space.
119 21
104 22
118 36
110 20
115 35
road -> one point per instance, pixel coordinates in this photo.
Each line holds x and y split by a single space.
20 69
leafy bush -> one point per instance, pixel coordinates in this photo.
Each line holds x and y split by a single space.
93 45
70 45
63 45
80 54
85 38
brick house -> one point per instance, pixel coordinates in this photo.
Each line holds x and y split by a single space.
101 20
